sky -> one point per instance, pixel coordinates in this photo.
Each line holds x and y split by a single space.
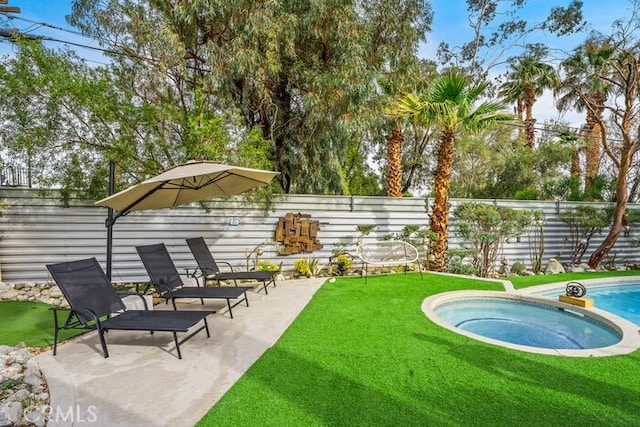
450 24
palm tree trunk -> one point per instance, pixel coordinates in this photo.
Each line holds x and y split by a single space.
439 219
394 162
519 109
575 163
529 121
592 165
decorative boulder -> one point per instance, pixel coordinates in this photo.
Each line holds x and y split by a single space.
554 266
575 269
504 267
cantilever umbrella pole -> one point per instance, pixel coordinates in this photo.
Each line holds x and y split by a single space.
165 189
111 219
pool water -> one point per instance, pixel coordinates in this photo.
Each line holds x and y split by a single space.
526 323
623 300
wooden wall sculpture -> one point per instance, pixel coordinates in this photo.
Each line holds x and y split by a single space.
297 233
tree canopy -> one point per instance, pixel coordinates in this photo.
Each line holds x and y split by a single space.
302 74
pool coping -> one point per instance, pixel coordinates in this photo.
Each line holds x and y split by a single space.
630 332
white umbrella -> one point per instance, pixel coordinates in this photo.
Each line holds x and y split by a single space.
180 185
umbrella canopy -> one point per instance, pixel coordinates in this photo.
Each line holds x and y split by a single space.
187 183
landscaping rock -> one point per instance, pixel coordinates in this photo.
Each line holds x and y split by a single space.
37 416
9 295
554 266
575 269
5 349
10 413
24 397
47 293
504 269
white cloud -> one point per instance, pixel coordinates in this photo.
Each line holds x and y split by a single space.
545 109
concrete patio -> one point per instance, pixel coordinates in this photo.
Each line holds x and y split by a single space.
144 383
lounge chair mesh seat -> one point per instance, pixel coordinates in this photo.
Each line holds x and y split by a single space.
95 304
209 270
169 285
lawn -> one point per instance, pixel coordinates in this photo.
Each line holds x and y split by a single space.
28 322
367 356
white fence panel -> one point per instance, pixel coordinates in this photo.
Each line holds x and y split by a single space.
36 230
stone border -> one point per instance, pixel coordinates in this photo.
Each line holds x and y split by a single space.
47 293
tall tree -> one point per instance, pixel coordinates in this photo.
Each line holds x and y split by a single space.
622 73
67 118
302 72
528 77
451 105
404 160
394 162
583 90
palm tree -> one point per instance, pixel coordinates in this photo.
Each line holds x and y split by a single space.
394 162
583 89
449 104
392 85
528 78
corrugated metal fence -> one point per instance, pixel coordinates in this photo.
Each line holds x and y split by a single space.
36 230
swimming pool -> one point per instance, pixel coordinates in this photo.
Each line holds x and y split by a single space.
618 298
533 323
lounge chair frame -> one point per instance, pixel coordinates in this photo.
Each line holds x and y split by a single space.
208 269
95 305
169 285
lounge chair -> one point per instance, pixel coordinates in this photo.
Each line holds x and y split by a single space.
95 304
169 285
208 268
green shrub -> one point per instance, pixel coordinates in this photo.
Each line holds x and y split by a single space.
302 267
584 222
485 228
459 267
518 268
267 265
343 263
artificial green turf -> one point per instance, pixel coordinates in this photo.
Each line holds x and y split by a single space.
525 281
28 322
366 355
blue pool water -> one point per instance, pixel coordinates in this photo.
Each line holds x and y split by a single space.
526 323
621 300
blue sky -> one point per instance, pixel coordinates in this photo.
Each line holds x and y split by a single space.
450 21
51 12
450 24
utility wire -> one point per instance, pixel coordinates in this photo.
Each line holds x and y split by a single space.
12 35
45 24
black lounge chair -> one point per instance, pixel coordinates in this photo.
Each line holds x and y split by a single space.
208 269
95 304
169 285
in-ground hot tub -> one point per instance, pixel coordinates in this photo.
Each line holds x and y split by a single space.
532 324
